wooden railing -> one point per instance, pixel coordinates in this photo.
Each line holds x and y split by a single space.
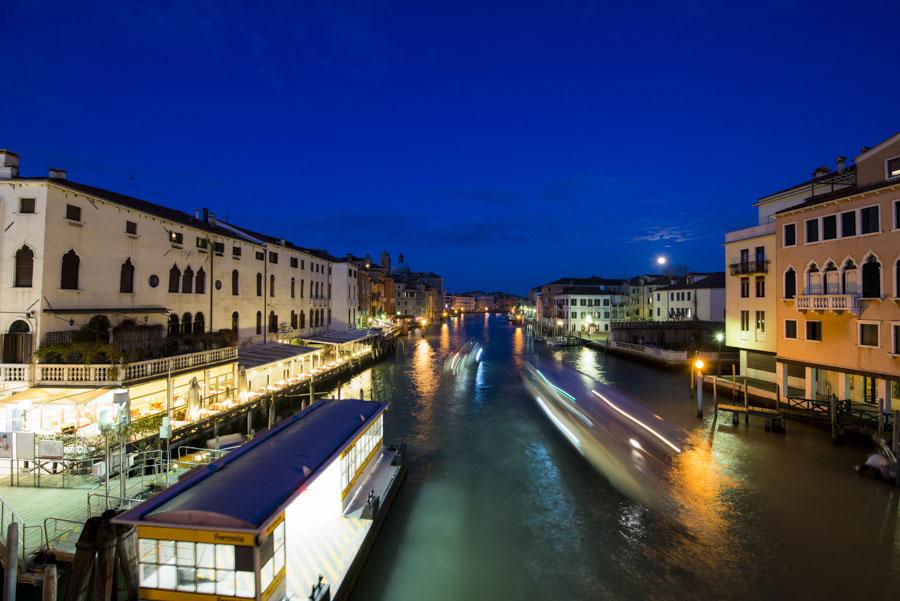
106 374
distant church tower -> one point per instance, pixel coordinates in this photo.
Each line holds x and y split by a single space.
386 261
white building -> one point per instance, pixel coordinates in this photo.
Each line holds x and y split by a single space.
71 251
345 301
701 297
589 310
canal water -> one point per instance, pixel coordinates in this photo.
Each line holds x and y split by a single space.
498 506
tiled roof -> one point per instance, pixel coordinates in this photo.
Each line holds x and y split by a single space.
227 230
714 280
842 193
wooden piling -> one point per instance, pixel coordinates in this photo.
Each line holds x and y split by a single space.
746 403
715 392
126 559
880 418
106 560
733 381
897 446
11 573
699 394
834 425
48 583
83 563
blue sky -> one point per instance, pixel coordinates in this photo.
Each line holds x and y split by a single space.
500 144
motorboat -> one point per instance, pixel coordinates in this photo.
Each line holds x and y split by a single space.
467 355
633 448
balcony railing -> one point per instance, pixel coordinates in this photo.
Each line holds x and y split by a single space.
828 302
49 374
750 267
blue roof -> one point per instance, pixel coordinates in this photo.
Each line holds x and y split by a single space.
246 487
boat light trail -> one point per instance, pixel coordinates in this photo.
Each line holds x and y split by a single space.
562 428
638 422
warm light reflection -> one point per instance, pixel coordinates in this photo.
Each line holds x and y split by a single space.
423 374
518 342
445 336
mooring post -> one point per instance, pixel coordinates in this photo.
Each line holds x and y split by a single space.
126 559
312 398
880 417
12 562
48 583
897 446
692 380
715 392
746 404
249 421
699 393
106 560
834 427
733 381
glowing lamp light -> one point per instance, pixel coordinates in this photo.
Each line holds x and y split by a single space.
720 336
699 364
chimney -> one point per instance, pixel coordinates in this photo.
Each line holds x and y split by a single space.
865 149
212 218
820 171
205 215
57 173
841 162
197 214
9 164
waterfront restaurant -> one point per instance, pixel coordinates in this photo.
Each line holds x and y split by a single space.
274 518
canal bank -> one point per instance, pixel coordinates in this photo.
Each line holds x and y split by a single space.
496 504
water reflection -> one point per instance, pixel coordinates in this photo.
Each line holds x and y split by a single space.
518 341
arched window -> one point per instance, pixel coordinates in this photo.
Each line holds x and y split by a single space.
200 282
790 283
24 267
897 280
126 277
69 276
199 323
849 276
293 287
235 322
871 278
813 279
293 320
187 281
832 279
302 319
187 325
258 323
173 324
17 343
174 279
273 322
302 282
259 284
272 284
235 282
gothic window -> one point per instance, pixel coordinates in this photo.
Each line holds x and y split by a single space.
69 275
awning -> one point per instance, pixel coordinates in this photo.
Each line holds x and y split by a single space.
42 396
127 310
342 337
255 355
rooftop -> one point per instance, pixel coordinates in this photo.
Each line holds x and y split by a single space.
235 492
713 280
214 226
838 194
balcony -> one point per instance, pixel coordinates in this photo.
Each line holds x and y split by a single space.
47 374
838 303
749 268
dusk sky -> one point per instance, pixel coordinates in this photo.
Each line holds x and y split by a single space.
502 145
